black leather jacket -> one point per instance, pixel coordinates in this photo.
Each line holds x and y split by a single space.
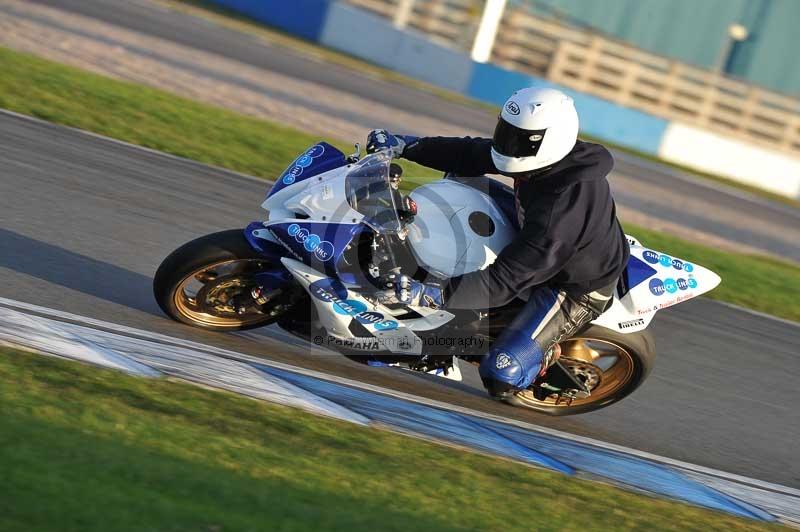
570 237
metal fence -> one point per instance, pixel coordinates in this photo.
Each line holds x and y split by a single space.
595 64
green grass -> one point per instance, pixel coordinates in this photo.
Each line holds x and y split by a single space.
212 135
152 118
88 449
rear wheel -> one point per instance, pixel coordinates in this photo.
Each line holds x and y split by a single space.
611 365
210 283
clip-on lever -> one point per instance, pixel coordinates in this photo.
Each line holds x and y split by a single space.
354 157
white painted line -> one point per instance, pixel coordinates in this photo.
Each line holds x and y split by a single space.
785 508
149 358
177 342
56 338
757 313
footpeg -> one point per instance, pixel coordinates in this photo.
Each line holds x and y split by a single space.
561 382
559 378
448 369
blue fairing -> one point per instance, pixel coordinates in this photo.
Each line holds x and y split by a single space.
636 272
277 276
274 279
516 356
269 249
319 245
316 160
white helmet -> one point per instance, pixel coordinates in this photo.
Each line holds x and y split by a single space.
537 128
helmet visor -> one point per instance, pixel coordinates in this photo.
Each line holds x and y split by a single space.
511 141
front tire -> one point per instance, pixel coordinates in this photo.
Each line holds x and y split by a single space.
611 364
207 283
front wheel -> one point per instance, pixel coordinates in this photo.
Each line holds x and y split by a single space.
210 283
611 365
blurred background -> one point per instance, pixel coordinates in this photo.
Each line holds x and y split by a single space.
711 83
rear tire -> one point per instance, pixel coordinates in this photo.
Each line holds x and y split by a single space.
197 257
640 347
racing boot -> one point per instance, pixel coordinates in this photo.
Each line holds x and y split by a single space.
504 371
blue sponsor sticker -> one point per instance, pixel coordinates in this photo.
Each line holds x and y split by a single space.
311 243
324 251
350 307
665 260
328 289
304 161
386 325
315 151
692 282
650 256
333 291
688 267
301 235
677 264
682 284
369 318
670 285
656 287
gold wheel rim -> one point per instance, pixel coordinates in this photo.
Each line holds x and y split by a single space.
605 367
213 287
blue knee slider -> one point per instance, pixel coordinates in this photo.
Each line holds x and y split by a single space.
516 368
516 357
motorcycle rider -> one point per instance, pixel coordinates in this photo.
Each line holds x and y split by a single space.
570 250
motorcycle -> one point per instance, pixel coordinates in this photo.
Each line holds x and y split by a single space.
338 226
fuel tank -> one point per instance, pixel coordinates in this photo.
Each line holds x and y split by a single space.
458 229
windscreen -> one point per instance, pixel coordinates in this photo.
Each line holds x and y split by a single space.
369 192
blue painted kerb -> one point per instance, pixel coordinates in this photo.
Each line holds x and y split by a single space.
530 446
305 18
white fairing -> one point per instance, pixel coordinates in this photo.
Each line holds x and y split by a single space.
321 198
336 313
671 281
441 236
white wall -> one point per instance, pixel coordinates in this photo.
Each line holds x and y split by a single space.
373 38
735 159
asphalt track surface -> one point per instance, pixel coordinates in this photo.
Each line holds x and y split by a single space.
85 221
643 186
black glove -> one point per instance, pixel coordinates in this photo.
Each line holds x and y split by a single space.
380 139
